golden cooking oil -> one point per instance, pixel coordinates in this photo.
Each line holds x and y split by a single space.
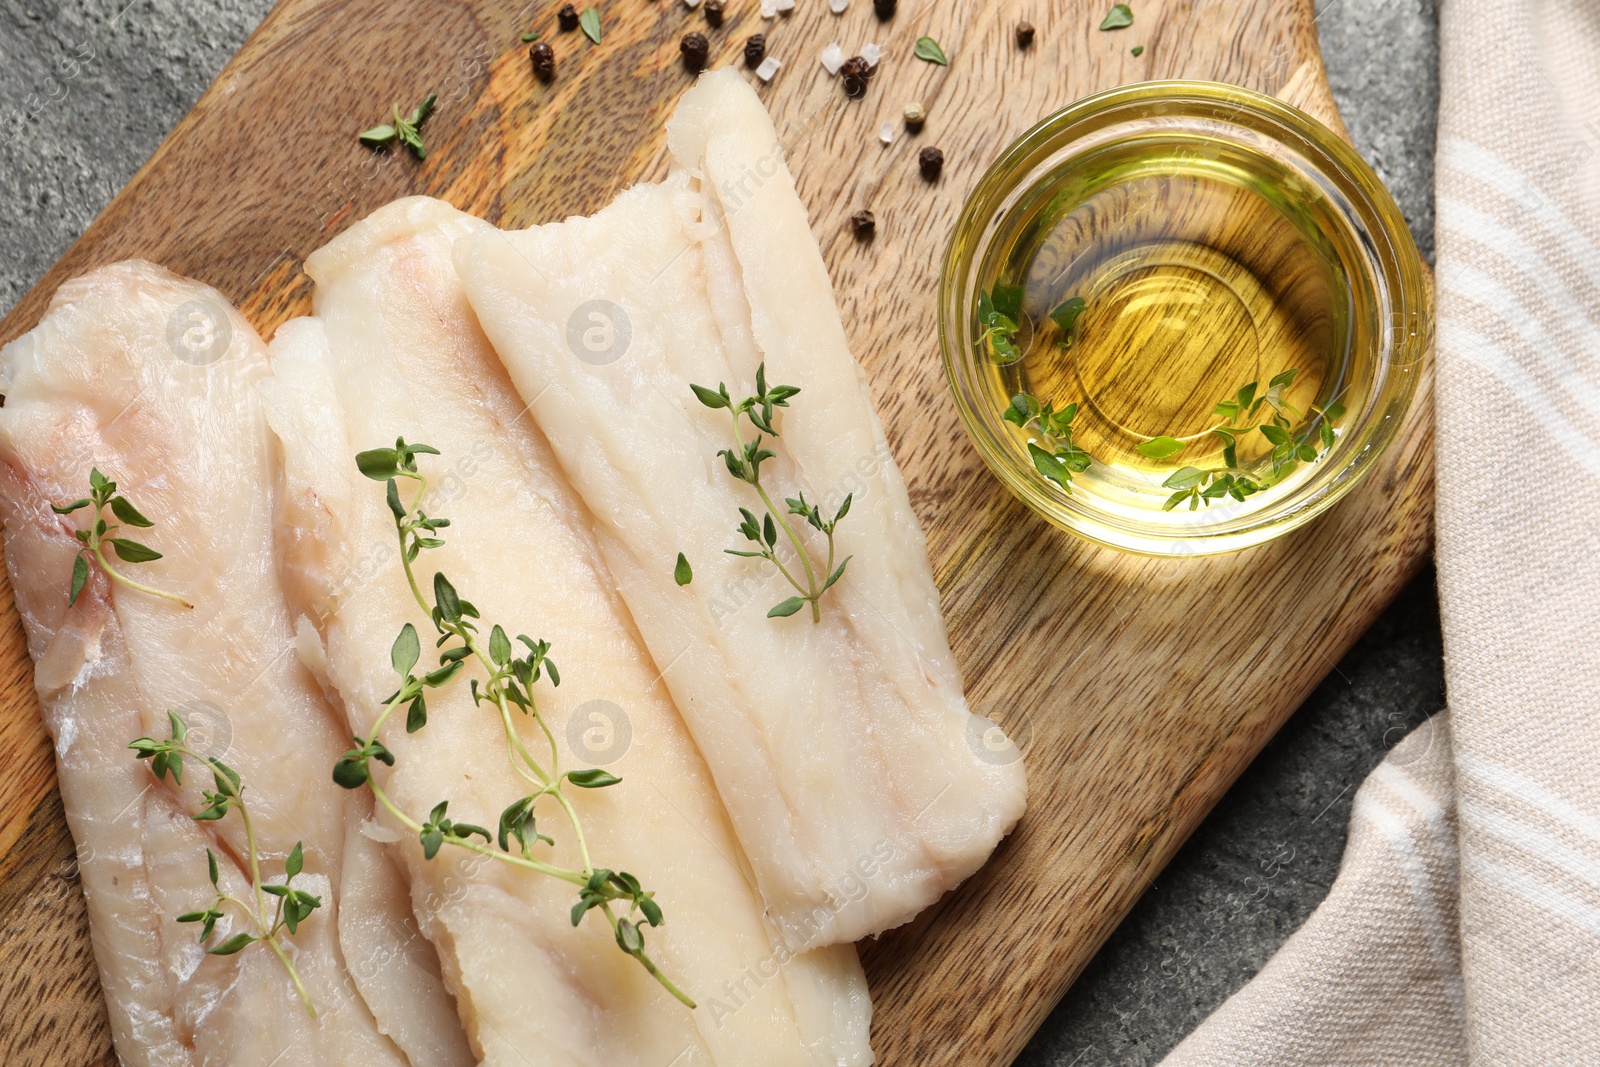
1201 268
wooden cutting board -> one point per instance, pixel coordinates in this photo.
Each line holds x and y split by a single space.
1138 688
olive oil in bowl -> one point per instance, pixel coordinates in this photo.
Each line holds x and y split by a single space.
1174 333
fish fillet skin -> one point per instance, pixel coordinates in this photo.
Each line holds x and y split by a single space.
106 379
395 350
859 783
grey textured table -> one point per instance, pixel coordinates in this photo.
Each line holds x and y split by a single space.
88 90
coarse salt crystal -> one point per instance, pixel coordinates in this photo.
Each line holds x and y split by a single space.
871 53
785 5
768 68
691 3
838 6
886 133
769 9
832 58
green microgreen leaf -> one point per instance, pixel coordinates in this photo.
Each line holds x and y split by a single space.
350 772
125 511
1066 315
928 49
232 945
1022 409
1159 447
422 111
435 678
593 778
783 609
590 21
517 823
1276 434
1184 478
379 464
1051 467
406 650
629 939
130 551
499 646
1120 17
417 714
1007 300
711 398
80 577
683 574
445 599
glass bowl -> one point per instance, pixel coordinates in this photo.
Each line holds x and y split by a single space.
1204 231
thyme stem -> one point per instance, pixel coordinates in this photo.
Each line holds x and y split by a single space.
809 590
744 461
94 538
293 905
116 575
509 681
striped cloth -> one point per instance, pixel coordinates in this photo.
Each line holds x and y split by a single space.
1464 927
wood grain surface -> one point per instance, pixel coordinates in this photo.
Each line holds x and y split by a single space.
1138 688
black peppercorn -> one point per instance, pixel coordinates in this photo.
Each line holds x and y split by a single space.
714 12
567 17
931 161
755 50
884 9
694 47
544 60
855 71
1024 34
863 224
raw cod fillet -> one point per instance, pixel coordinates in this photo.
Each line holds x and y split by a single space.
860 785
115 377
394 350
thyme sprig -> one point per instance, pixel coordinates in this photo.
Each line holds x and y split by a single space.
407 129
1051 449
290 906
103 493
744 464
1267 413
509 682
1250 410
1000 314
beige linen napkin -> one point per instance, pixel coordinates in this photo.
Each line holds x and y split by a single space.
1464 927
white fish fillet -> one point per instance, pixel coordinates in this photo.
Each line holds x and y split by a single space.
394 350
113 378
833 744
